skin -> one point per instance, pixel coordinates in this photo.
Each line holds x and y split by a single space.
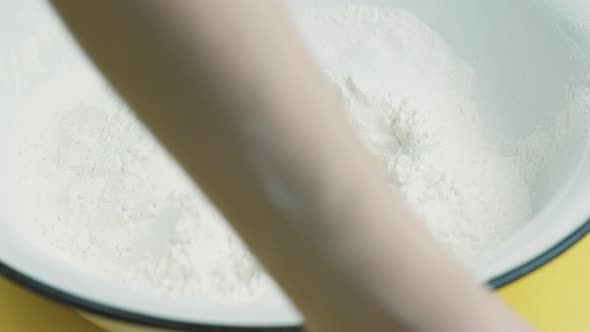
230 90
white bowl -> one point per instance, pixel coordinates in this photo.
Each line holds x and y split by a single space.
528 55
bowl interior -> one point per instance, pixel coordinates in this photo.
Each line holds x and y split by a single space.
530 59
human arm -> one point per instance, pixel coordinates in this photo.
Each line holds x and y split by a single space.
231 92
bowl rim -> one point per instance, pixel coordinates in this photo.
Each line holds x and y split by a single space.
132 317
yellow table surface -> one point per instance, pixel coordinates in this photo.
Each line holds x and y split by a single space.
556 297
23 311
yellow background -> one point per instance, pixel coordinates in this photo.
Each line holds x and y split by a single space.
556 297
22 311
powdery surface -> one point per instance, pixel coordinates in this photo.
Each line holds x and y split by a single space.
412 101
109 200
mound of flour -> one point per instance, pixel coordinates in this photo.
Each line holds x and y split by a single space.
412 101
111 201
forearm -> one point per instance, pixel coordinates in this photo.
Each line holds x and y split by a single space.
231 92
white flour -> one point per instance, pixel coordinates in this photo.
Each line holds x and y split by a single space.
412 100
114 203
109 200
